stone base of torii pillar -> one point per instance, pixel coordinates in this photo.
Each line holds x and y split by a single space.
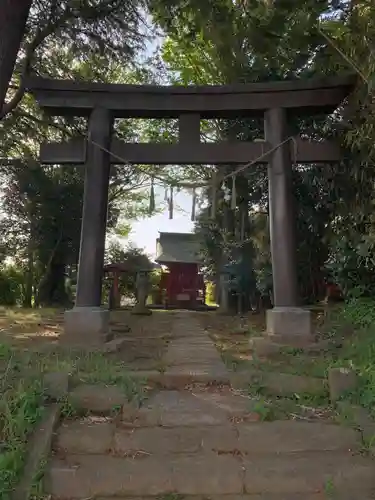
285 327
87 326
289 323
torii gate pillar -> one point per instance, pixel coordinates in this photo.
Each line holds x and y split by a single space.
88 322
286 321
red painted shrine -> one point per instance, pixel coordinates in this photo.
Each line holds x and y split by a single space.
181 284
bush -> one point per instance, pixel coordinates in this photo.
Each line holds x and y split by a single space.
352 265
11 286
210 292
358 352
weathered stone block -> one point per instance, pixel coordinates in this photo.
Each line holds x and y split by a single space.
85 436
56 385
84 476
129 412
287 383
207 474
341 381
307 474
114 345
39 446
264 347
205 373
289 322
289 436
87 326
97 398
359 418
173 408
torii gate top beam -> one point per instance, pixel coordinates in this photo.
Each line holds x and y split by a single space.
66 97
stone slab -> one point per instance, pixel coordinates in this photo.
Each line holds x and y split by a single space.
207 475
271 346
85 436
164 441
114 345
56 385
97 398
39 447
297 496
341 381
84 476
292 436
233 404
284 383
191 354
174 408
289 321
203 372
86 326
294 473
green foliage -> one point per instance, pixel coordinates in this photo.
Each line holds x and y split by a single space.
227 42
135 258
11 286
354 325
42 206
352 255
210 293
264 409
21 408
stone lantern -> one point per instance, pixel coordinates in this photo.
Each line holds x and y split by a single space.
143 287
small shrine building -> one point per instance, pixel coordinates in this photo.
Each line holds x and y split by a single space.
181 283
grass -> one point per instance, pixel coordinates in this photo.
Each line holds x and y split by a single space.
351 328
354 323
22 398
21 408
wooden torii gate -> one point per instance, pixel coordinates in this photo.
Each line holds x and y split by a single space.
102 103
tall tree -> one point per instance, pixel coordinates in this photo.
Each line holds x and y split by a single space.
111 29
13 17
235 41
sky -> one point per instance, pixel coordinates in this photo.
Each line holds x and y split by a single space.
145 231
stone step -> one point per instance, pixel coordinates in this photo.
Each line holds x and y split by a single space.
100 435
100 399
175 409
280 384
91 476
244 496
309 473
87 476
178 377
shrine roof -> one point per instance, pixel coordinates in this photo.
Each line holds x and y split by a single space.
177 247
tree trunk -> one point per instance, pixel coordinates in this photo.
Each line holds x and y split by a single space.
52 291
29 279
13 17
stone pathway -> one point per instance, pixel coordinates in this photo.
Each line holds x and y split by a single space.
206 442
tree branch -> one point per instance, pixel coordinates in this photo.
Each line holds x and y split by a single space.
41 121
39 38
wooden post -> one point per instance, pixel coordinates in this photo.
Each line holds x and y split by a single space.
281 211
94 217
